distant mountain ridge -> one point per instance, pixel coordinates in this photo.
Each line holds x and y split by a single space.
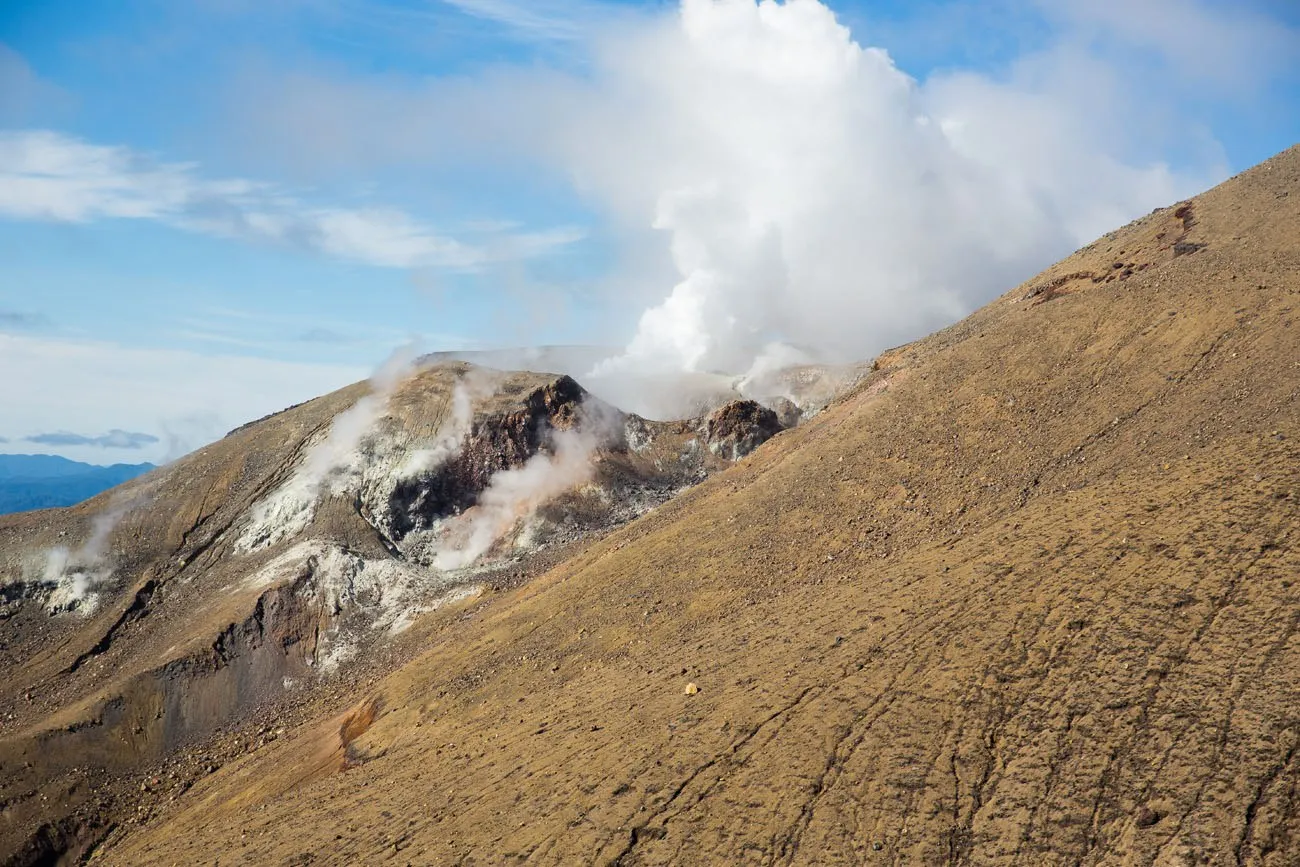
47 481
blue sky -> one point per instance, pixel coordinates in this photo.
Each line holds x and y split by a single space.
255 202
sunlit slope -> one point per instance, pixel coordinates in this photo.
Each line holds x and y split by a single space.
1029 596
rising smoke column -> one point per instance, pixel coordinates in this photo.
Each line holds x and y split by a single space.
77 573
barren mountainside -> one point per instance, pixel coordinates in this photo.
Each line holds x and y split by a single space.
1027 594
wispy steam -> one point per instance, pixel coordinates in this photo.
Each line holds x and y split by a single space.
335 462
185 432
76 574
478 383
514 494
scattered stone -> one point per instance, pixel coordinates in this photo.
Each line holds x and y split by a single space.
691 689
1145 817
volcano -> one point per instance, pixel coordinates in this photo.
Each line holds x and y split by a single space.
1022 592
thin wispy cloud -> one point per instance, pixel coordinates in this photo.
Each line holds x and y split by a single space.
23 94
22 320
1230 47
114 439
317 337
72 381
47 176
282 334
539 19
201 336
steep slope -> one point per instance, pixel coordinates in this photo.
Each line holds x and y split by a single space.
1027 596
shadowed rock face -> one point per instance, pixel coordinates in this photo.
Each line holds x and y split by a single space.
494 443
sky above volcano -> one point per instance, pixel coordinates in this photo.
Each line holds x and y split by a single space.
210 210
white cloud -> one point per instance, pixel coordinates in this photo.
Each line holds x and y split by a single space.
537 19
770 178
194 398
52 177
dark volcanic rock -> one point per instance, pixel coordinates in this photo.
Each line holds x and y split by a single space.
737 428
787 412
495 443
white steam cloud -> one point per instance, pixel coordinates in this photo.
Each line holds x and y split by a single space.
818 202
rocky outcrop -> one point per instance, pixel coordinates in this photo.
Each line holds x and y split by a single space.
234 583
1032 602
788 413
495 442
736 429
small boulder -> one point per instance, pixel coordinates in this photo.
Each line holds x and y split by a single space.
1145 817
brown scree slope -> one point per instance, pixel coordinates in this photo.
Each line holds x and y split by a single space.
1030 596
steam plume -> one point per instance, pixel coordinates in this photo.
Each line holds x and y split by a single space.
818 203
76 574
477 384
335 461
